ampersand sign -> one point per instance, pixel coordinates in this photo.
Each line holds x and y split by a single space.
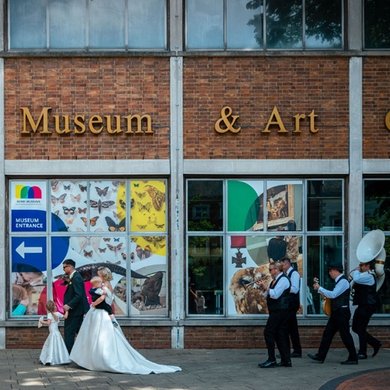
228 121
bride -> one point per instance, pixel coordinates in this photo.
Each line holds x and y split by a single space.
101 346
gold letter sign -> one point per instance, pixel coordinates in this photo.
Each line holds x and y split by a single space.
228 124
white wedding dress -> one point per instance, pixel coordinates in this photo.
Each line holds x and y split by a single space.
54 350
100 346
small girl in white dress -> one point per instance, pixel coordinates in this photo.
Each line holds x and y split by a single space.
54 350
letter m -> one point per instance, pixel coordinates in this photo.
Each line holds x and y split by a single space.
30 124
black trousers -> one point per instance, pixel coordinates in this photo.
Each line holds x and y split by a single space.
293 331
360 321
71 327
338 321
276 332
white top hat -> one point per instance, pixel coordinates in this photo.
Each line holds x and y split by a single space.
370 246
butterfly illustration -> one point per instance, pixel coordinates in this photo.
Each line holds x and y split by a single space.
82 188
158 197
122 204
159 226
143 253
60 199
75 198
140 194
115 248
88 253
141 227
67 188
82 211
54 185
106 239
102 192
98 204
124 256
136 184
145 207
113 227
157 241
92 221
102 250
69 210
116 239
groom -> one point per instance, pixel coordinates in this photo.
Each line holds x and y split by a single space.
75 303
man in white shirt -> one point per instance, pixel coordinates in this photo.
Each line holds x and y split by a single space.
276 329
339 318
366 297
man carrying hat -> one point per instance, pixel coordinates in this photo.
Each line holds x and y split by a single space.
366 297
339 318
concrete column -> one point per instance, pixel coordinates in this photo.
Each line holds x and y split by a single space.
177 200
355 25
355 188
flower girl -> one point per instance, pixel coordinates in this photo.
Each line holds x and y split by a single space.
54 350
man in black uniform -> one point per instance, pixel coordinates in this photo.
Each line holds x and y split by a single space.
366 297
339 318
295 279
276 329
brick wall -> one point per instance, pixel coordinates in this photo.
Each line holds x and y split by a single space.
376 97
252 86
209 337
102 86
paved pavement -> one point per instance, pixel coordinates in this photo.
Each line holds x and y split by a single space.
225 369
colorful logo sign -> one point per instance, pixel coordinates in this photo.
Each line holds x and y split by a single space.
27 192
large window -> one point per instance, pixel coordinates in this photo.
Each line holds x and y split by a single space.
117 224
87 24
264 24
236 227
377 216
377 24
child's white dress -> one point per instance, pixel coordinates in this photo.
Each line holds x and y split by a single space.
54 350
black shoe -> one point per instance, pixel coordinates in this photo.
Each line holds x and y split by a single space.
284 364
362 356
315 357
349 362
296 354
376 349
268 364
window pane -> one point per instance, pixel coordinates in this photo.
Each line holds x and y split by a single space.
377 205
27 24
205 24
284 24
205 275
325 205
147 24
377 24
67 24
107 24
205 205
244 24
284 205
323 24
321 251
245 205
383 280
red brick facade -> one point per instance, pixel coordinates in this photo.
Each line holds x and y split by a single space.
252 87
376 87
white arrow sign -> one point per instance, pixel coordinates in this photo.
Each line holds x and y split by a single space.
21 250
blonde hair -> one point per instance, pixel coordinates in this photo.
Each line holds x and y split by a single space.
105 274
96 279
51 308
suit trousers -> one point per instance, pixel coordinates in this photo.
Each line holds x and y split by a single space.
71 327
276 332
338 321
293 331
360 321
